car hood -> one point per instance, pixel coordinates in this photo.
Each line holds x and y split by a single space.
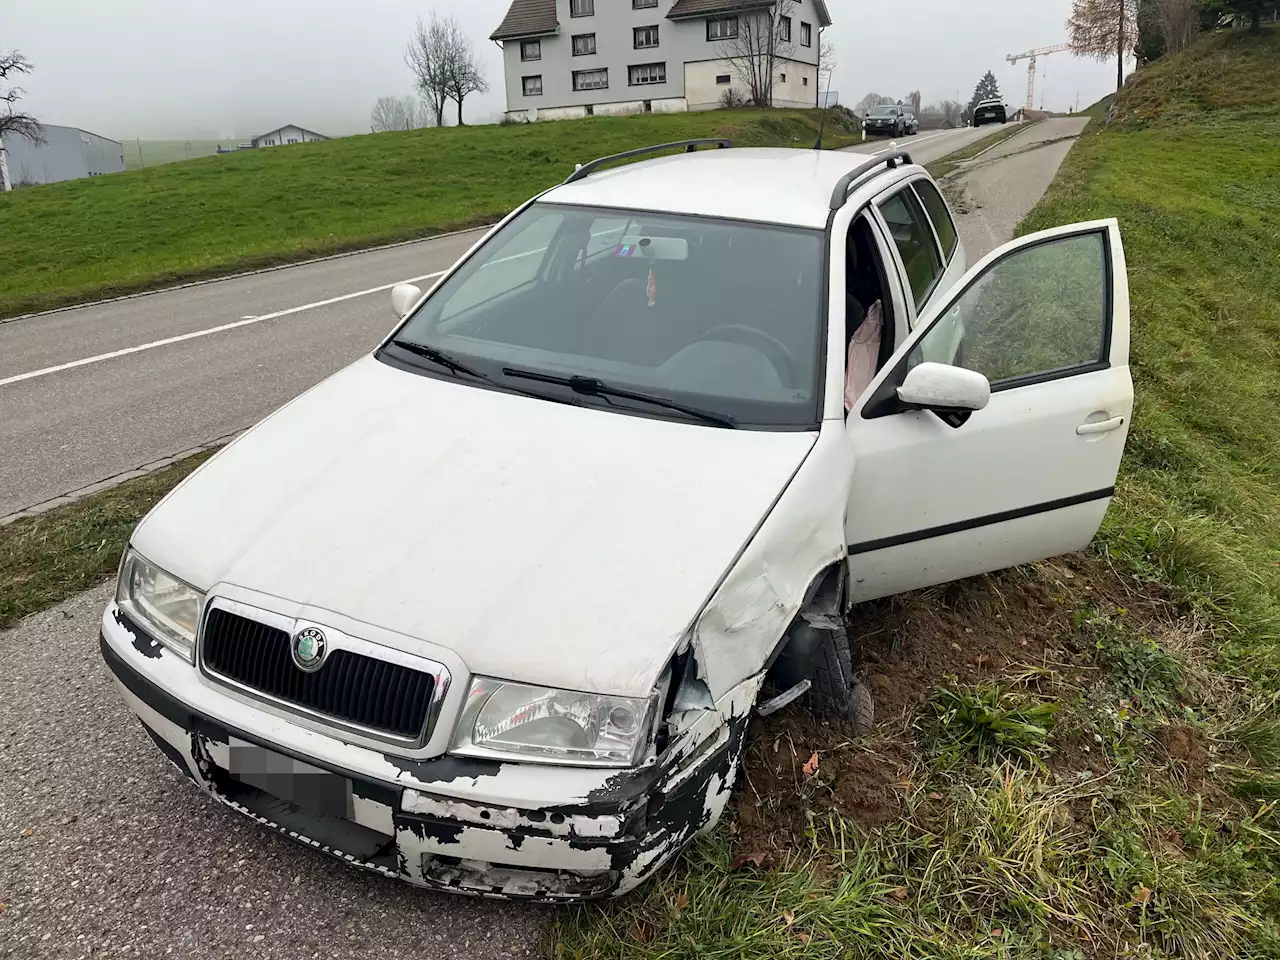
539 541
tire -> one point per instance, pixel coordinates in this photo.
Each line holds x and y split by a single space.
824 657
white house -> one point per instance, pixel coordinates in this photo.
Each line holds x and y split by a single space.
577 58
287 135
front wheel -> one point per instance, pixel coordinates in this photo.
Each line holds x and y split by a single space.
823 655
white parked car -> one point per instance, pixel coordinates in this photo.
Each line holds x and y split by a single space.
489 609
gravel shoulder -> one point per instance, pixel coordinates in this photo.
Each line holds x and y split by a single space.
107 852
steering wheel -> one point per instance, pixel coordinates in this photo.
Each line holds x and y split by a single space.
769 345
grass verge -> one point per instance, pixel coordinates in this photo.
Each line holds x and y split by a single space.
53 556
1080 759
106 236
948 164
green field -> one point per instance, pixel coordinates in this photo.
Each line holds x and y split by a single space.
84 239
152 153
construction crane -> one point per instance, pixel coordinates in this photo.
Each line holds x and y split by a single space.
1031 67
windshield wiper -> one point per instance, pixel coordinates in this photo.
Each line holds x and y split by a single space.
438 357
591 387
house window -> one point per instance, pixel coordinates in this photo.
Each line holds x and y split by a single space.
784 29
806 81
724 28
647 73
783 78
723 79
533 86
293 141
530 49
645 37
582 8
806 34
643 4
591 79
584 44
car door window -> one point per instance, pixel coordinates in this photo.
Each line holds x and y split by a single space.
939 215
914 239
1038 314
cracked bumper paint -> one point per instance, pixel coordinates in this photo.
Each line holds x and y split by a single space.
520 831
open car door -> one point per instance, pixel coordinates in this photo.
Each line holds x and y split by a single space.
943 494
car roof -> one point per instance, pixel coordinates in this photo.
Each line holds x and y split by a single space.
767 185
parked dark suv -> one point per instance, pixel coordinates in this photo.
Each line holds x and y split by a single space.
989 111
890 119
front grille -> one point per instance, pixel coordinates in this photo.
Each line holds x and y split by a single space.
350 687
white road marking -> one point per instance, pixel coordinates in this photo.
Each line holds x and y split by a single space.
243 322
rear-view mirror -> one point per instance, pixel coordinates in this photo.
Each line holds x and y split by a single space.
403 298
953 393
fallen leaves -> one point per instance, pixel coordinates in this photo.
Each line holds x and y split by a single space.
1142 896
28 832
899 893
642 931
788 917
761 859
682 900
811 765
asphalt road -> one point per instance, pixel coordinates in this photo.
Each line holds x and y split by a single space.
62 430
104 851
1001 187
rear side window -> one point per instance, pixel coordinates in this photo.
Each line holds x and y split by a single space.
914 240
940 215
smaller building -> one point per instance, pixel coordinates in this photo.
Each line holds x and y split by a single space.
68 153
287 135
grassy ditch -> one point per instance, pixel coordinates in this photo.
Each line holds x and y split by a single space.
47 558
85 239
1079 759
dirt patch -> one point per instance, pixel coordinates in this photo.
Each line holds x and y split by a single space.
798 768
1015 627
1186 747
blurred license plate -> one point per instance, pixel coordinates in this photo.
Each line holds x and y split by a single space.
293 781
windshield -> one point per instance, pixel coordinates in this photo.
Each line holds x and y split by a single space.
722 316
885 112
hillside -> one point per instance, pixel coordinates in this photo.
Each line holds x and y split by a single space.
1227 73
85 239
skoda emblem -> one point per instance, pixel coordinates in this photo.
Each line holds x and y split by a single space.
309 648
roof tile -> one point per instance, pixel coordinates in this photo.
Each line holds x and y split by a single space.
527 18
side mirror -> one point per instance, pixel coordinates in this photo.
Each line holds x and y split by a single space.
403 297
953 393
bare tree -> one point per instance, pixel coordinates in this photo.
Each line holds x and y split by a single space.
398 113
14 64
1103 29
870 101
1179 23
428 55
826 66
755 38
13 123
914 99
952 111
464 74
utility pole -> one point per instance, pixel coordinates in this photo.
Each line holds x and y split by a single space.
141 162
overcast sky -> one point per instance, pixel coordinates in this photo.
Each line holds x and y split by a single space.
189 69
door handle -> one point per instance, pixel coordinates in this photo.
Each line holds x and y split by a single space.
1102 426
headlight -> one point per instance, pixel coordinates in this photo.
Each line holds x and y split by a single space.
165 605
515 721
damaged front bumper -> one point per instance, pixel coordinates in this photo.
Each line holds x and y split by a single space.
511 830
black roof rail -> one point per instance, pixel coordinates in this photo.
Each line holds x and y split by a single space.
841 194
690 146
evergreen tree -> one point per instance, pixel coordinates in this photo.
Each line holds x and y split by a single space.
987 89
